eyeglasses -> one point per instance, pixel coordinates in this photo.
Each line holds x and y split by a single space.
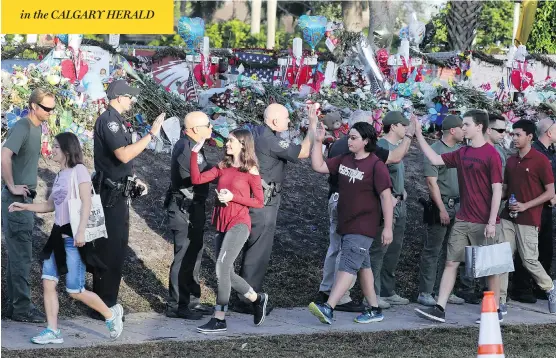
499 130
209 125
46 109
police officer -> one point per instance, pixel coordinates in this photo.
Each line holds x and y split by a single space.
384 261
186 219
273 153
444 193
113 155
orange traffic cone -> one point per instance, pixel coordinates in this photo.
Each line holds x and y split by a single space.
490 337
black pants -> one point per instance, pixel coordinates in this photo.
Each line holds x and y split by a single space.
522 282
187 233
112 251
257 249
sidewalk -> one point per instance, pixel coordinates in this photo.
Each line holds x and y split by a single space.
150 327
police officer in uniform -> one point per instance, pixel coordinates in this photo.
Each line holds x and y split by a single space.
114 181
273 153
384 260
185 204
440 216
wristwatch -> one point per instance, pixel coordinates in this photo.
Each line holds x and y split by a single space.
408 136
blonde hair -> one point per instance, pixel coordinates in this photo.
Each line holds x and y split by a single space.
38 95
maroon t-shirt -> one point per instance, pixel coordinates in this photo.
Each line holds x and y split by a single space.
359 189
526 178
478 168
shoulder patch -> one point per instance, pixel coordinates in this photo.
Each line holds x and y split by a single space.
113 126
283 144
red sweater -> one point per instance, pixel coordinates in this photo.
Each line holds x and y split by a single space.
240 184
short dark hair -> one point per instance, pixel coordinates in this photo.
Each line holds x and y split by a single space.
387 128
70 146
493 117
479 117
366 131
527 126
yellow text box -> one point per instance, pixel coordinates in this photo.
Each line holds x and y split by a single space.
88 17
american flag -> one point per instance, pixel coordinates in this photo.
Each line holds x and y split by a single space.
190 90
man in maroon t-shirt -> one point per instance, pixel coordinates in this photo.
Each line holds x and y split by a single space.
480 185
529 179
364 187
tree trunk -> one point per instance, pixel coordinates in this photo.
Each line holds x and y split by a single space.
271 8
183 5
256 16
382 20
461 22
351 13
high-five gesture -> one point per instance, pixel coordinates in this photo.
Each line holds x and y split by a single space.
155 129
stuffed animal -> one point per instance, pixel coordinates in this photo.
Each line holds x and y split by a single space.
335 129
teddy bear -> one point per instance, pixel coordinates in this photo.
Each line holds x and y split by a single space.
335 128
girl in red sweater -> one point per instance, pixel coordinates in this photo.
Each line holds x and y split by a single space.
239 188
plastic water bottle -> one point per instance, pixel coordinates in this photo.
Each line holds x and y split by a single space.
512 201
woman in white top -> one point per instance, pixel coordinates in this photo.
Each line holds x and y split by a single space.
65 252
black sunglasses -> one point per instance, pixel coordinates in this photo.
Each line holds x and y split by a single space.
46 109
499 130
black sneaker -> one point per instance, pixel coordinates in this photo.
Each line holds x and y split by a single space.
246 308
184 313
202 309
435 313
242 307
213 326
524 297
350 307
259 309
33 316
470 297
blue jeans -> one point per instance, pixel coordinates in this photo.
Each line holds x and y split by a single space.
75 278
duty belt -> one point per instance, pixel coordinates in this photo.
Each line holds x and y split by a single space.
450 201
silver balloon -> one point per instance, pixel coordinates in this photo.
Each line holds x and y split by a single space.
367 57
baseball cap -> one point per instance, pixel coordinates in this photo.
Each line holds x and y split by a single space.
451 121
121 88
395 117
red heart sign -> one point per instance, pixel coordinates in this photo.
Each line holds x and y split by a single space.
68 70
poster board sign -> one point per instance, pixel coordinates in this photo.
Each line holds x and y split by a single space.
97 59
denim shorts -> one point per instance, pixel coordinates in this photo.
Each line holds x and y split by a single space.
75 278
355 253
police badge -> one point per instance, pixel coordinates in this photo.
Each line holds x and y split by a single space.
283 144
114 127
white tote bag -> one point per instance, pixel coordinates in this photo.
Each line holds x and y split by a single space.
96 227
481 261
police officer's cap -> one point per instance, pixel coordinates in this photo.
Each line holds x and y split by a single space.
451 121
121 88
395 117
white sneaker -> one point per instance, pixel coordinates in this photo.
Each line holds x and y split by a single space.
396 300
48 336
455 300
382 303
116 325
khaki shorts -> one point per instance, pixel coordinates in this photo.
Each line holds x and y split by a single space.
467 234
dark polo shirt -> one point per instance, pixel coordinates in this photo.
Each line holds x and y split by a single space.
526 178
